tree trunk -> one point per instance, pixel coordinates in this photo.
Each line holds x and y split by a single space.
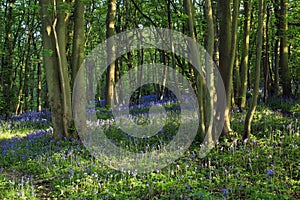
78 40
111 48
188 6
283 61
277 47
209 68
54 24
39 86
59 31
266 57
7 62
245 54
51 70
225 65
259 42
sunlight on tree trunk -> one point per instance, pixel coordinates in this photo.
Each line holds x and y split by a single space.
188 6
284 57
259 43
209 66
245 53
111 48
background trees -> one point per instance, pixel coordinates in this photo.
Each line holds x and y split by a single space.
33 52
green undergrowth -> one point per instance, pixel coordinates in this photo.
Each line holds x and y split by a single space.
264 167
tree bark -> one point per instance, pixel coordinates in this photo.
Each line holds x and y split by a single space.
78 40
209 68
59 28
54 25
7 62
188 6
259 43
51 70
283 61
111 48
245 54
226 47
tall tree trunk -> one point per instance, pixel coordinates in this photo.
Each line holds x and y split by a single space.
39 86
209 112
225 48
266 56
54 25
188 6
51 70
7 61
283 62
259 43
78 40
276 67
59 29
111 48
237 78
79 100
245 54
163 59
140 55
276 5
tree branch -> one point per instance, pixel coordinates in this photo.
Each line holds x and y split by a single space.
140 11
294 23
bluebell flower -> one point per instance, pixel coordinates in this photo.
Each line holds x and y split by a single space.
270 172
224 191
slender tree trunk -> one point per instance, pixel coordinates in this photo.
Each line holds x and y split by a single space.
59 28
27 78
259 43
140 55
209 71
237 80
236 6
276 67
39 87
7 62
266 57
283 62
276 5
245 54
163 57
78 40
79 100
110 31
199 79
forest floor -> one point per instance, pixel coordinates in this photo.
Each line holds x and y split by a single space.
267 166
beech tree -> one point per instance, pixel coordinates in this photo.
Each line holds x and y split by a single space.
245 53
227 46
283 61
111 49
55 16
259 43
7 61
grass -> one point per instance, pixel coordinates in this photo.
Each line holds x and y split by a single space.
265 167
